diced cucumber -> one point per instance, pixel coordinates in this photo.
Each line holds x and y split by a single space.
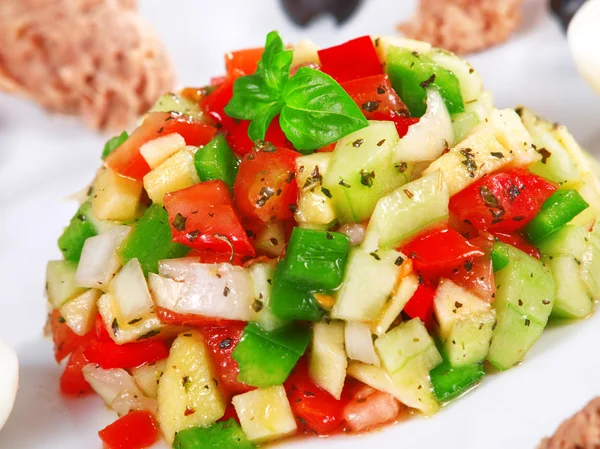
448 382
570 240
368 283
463 123
262 278
465 324
469 80
176 173
79 230
384 43
590 268
361 171
525 292
359 343
328 359
60 282
411 72
314 205
217 436
407 211
589 189
403 291
573 299
270 240
147 376
408 353
170 102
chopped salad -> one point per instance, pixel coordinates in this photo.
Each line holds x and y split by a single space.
319 241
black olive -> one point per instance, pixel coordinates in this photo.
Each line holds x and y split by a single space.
302 12
564 10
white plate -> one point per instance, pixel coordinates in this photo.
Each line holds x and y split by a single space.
44 159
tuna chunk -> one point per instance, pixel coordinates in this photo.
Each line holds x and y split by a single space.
581 431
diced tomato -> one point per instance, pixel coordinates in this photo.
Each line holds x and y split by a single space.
327 148
403 123
236 134
180 319
127 159
370 408
502 202
265 186
437 252
314 408
135 430
421 304
243 60
229 414
476 276
202 217
108 354
517 240
221 343
72 381
205 256
376 97
65 340
340 61
214 104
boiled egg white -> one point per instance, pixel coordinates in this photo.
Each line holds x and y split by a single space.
584 40
9 380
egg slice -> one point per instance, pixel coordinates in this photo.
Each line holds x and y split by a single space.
584 38
9 379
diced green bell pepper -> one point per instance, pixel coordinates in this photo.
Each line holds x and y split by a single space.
267 358
74 236
500 257
288 302
315 259
556 212
223 434
449 383
114 143
150 241
215 160
411 73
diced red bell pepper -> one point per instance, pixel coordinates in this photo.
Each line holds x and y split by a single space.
65 340
108 354
100 330
265 186
519 241
202 217
135 430
221 342
376 97
236 134
439 251
476 276
230 413
243 60
180 319
502 202
72 381
127 159
314 408
421 304
340 62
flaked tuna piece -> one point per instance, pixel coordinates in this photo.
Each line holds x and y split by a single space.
581 431
93 58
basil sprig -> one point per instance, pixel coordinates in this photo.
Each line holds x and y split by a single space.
313 109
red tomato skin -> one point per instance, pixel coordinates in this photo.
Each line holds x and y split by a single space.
265 186
502 202
108 354
72 381
316 411
421 304
214 103
245 60
340 61
476 276
439 251
65 340
136 430
221 342
127 159
376 97
211 222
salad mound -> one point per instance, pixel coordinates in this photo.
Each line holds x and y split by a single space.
319 241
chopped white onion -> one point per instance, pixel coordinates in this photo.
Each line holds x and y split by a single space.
354 231
217 290
176 268
427 139
127 401
130 290
359 343
99 260
165 291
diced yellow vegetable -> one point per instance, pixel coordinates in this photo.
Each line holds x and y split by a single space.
402 294
265 414
115 197
158 150
188 395
148 376
474 157
373 376
80 312
60 282
313 205
123 331
305 52
383 43
176 173
328 357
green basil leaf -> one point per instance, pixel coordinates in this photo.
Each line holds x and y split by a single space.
258 127
274 65
251 96
114 143
317 110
